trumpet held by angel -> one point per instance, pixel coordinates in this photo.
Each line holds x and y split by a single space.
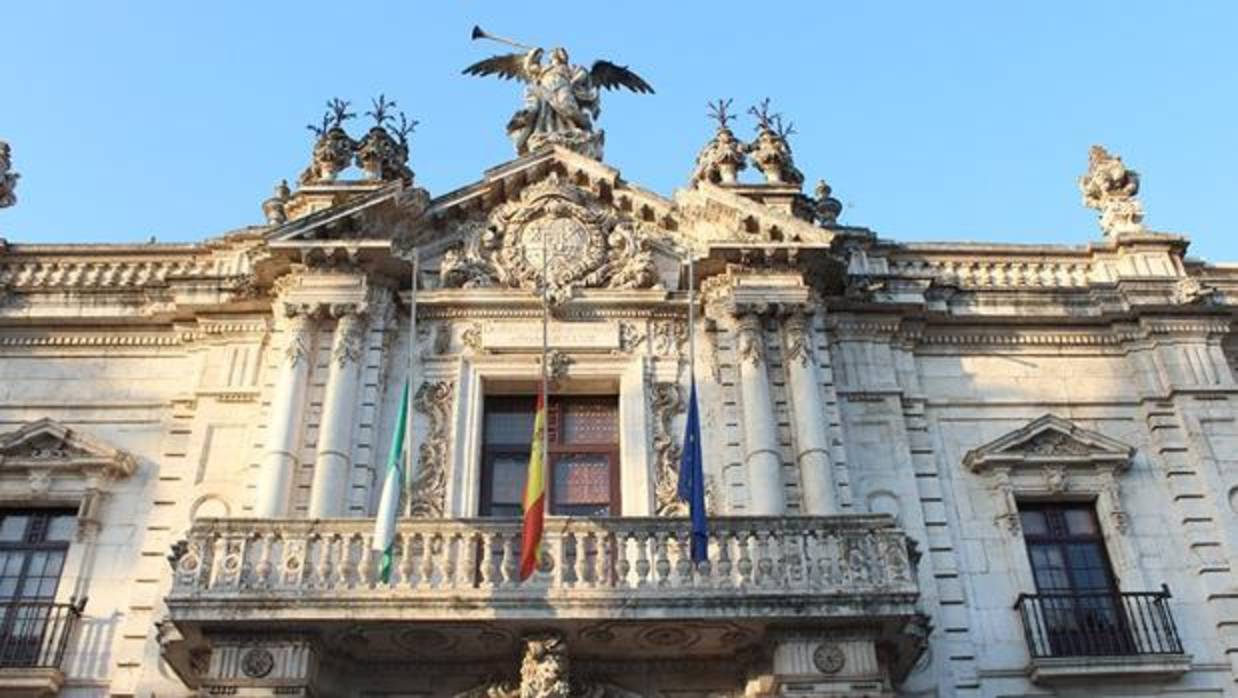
561 100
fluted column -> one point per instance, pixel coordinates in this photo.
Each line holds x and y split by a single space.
812 446
761 456
333 462
283 428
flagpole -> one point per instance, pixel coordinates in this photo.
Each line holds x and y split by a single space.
545 352
412 365
692 316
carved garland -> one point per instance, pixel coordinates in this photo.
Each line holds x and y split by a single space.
667 403
429 487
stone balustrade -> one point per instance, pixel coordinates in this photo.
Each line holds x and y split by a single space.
833 566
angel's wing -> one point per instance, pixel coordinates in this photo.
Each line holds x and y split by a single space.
611 76
507 67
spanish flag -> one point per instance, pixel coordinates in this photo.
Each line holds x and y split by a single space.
534 495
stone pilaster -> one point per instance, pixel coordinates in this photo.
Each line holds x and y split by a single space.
761 455
283 426
328 496
812 444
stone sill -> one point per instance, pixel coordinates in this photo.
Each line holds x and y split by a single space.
1149 666
23 682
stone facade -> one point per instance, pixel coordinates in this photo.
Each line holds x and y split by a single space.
875 414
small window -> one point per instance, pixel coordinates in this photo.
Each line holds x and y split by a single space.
583 478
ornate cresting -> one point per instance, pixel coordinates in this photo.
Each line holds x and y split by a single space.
593 247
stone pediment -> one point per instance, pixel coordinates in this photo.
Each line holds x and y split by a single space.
349 212
49 446
1050 440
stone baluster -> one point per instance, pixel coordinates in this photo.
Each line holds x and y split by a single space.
761 456
333 463
284 426
812 452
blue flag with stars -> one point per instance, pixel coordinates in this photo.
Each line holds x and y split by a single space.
692 479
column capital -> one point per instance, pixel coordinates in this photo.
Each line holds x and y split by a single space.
349 333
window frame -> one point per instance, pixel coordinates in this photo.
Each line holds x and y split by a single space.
555 419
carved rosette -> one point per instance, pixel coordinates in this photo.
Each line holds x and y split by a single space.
587 243
429 487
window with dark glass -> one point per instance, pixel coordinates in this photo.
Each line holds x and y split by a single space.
583 462
1079 595
33 545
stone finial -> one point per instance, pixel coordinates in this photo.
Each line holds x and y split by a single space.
383 152
273 208
771 151
333 151
826 208
724 156
8 179
1110 187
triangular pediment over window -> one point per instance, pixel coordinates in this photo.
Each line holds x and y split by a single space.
1050 440
51 447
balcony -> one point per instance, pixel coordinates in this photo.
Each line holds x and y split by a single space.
1088 635
605 583
33 638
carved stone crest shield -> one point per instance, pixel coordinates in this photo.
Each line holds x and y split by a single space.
555 230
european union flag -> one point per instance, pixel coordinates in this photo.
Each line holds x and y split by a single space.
692 479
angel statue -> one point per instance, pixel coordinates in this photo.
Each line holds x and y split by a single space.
561 100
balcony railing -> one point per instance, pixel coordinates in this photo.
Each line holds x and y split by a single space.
1113 624
607 567
33 634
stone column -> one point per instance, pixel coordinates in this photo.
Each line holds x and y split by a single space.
812 445
761 456
334 459
284 424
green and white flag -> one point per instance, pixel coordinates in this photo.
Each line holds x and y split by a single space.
393 486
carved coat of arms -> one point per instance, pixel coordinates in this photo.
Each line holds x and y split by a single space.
556 235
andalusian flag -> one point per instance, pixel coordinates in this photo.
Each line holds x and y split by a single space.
534 495
393 486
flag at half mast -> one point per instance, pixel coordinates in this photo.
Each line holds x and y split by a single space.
534 502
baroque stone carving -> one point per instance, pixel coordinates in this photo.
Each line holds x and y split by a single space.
669 337
829 658
1054 443
589 245
561 100
429 487
257 662
1190 291
724 156
1110 187
383 151
8 178
667 399
771 151
273 208
750 342
333 151
630 337
349 334
798 346
826 209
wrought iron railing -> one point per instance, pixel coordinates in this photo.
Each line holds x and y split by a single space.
34 634
1096 624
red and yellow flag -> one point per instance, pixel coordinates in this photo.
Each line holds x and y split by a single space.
534 495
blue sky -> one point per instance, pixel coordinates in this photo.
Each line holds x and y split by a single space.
933 121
